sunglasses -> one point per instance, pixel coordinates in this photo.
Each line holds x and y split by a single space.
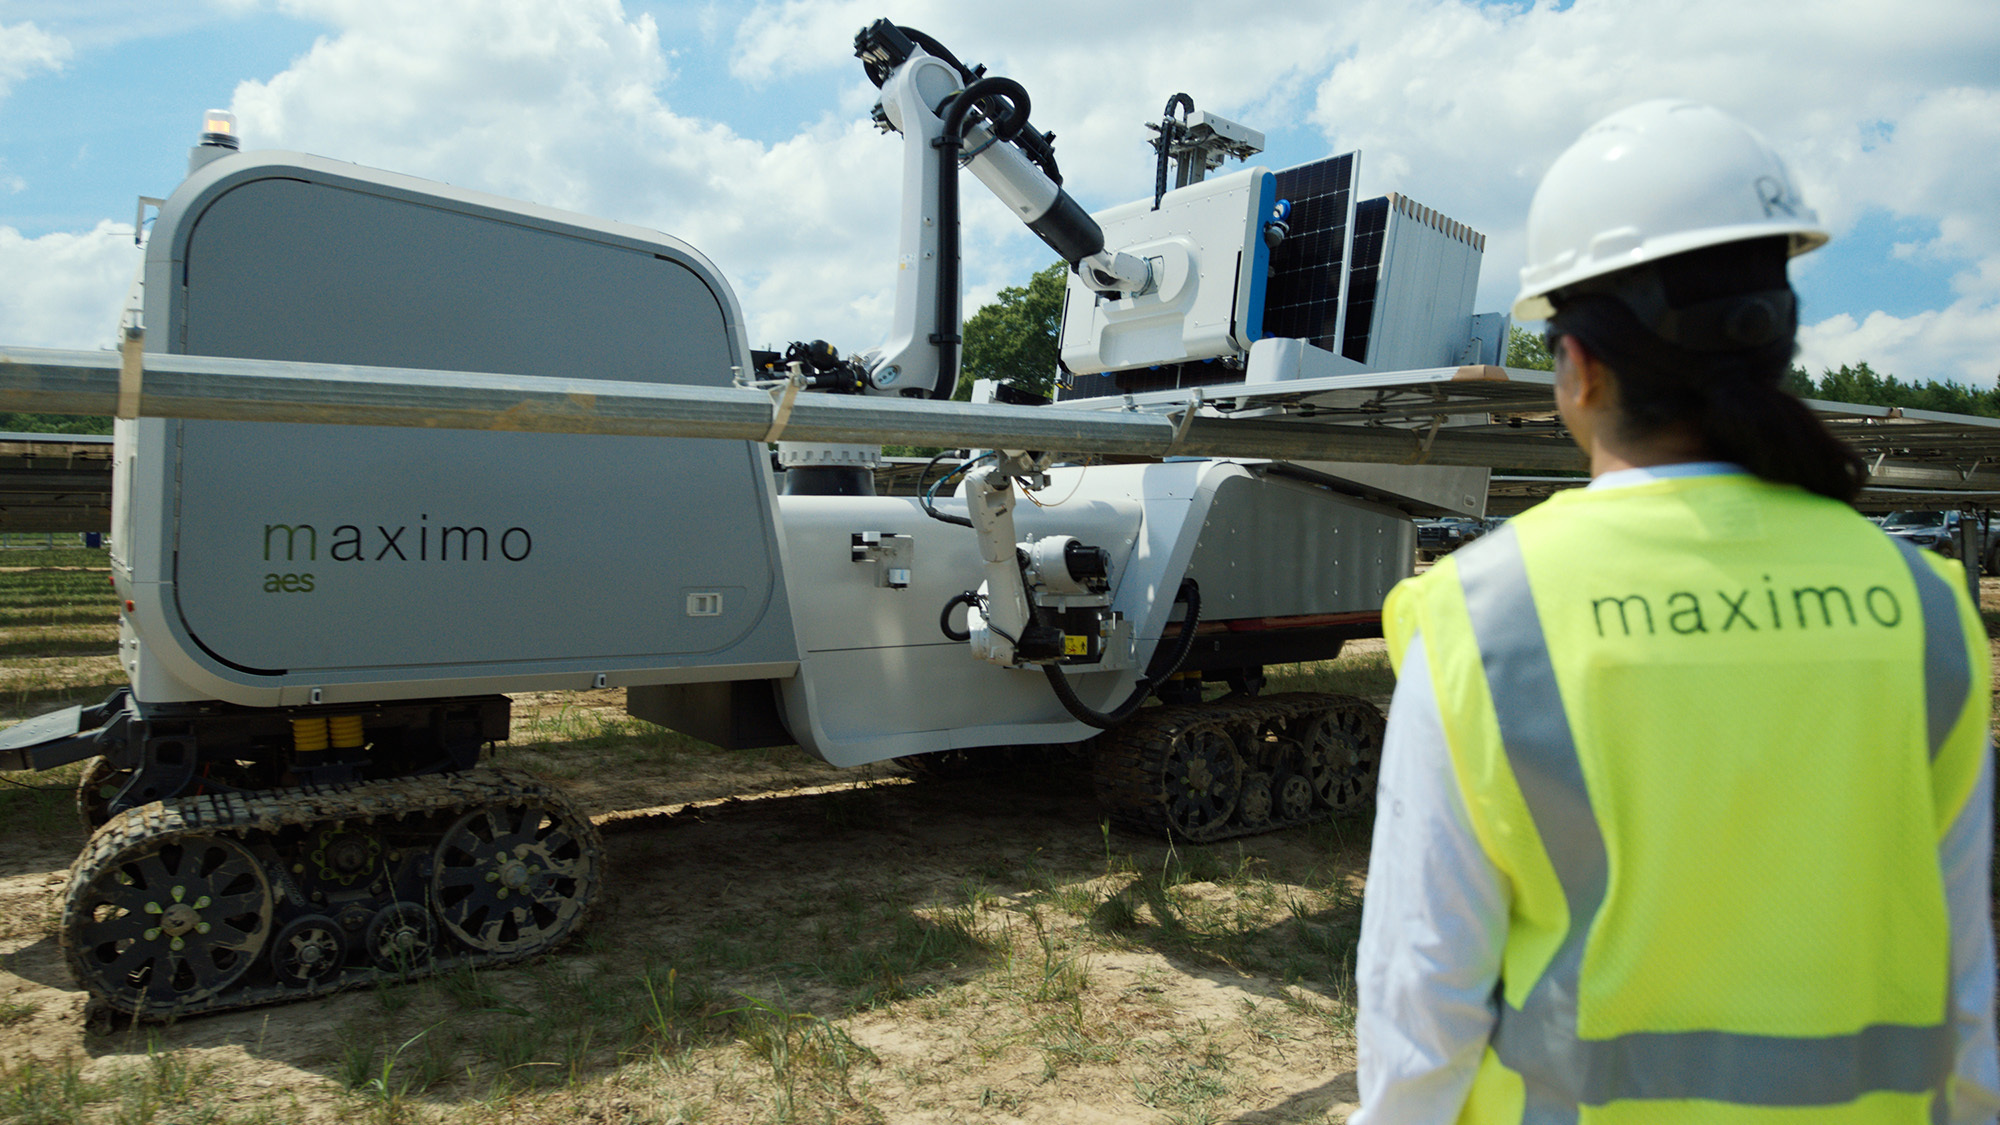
1550 335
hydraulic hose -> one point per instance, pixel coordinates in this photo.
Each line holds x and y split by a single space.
1005 127
1169 128
1102 720
969 600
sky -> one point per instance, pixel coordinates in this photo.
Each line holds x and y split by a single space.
743 129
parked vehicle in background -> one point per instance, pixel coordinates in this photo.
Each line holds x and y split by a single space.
1436 537
1938 531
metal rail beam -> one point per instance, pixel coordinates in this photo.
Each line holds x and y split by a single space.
174 386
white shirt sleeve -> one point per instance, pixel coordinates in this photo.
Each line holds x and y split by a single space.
1433 925
1966 855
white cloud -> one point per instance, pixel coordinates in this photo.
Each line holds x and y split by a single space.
565 104
1959 343
70 288
581 104
27 50
1876 107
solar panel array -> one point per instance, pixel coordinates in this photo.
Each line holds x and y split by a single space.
1308 269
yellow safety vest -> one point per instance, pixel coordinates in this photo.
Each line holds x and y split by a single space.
1712 730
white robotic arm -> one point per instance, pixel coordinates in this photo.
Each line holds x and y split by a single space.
946 113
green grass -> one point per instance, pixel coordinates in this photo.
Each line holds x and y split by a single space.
17 549
1364 674
58 631
34 1093
44 803
157 1087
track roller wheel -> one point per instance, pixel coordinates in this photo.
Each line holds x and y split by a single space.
516 879
1258 800
308 950
400 937
1342 750
159 926
1174 770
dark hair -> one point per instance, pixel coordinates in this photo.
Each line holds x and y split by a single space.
1701 342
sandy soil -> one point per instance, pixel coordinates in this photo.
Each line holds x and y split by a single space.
750 862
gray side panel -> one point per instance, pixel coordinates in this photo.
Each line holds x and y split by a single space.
1276 548
449 548
451 554
1425 289
286 269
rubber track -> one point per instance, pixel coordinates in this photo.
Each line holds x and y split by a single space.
245 815
1130 771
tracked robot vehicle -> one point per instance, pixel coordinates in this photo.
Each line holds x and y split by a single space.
319 622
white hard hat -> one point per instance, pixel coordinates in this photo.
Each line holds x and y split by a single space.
1659 178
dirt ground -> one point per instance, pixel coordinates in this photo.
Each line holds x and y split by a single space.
767 897
755 878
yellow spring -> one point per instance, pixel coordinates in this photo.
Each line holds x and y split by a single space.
308 735
346 731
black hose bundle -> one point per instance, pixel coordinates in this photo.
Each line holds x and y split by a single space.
1170 130
969 600
1006 126
1103 720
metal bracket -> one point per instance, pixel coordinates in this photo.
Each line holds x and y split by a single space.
1423 452
139 219
782 403
1183 420
895 556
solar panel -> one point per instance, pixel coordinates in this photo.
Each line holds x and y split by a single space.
1371 221
1303 298
1308 270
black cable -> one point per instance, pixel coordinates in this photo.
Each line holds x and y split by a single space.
1190 593
926 471
939 51
949 145
979 601
968 599
1169 129
924 496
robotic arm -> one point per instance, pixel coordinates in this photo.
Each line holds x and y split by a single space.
948 114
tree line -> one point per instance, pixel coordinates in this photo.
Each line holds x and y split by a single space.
1856 383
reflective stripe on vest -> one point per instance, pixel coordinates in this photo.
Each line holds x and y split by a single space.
1539 1041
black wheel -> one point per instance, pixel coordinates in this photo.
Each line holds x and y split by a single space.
1258 800
515 879
1342 751
400 937
102 782
1203 781
169 925
1295 797
308 950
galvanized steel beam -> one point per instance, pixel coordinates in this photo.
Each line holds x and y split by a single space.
175 386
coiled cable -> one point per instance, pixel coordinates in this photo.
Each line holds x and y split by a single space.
1189 593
